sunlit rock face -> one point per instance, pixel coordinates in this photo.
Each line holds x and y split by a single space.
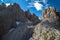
43 33
50 14
49 28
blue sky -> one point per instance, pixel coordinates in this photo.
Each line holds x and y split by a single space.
35 6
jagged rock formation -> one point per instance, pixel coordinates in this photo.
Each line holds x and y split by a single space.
49 28
50 14
20 15
9 15
8 19
32 17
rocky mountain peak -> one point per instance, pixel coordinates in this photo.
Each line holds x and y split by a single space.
50 14
49 26
11 14
47 29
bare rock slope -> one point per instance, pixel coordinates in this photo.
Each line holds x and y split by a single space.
9 15
49 28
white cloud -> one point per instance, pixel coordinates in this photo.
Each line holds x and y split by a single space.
7 4
38 6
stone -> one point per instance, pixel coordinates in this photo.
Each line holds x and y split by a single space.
49 27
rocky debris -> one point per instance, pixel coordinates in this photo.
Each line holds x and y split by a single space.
44 33
49 28
20 33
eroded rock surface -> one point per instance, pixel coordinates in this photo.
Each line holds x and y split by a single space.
9 15
49 28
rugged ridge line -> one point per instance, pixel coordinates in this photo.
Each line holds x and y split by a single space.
49 28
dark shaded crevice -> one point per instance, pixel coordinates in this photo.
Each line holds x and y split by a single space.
28 34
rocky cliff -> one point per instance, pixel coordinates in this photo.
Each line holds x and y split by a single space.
49 28
12 13
32 17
